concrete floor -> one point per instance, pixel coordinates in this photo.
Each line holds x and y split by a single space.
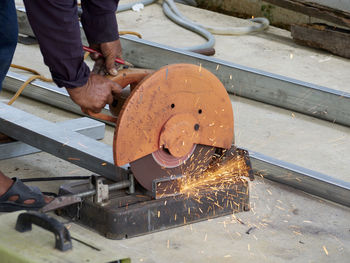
290 226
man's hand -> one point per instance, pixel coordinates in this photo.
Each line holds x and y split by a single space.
106 64
95 94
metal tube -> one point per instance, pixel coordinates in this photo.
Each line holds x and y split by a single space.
116 186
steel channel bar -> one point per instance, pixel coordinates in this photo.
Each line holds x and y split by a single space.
309 181
86 126
67 145
317 101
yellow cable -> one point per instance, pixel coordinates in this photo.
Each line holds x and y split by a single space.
25 68
130 33
28 81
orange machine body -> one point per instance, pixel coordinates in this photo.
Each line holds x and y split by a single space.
174 108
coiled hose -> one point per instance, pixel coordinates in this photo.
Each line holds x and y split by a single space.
173 13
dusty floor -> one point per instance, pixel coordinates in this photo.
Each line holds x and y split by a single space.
288 225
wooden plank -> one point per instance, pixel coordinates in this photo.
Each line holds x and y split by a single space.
334 40
329 14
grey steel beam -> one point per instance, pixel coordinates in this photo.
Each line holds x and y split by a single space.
68 145
309 181
317 101
86 126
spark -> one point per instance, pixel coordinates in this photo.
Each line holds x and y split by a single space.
325 250
103 164
227 256
280 208
217 67
168 244
73 159
158 214
82 145
291 56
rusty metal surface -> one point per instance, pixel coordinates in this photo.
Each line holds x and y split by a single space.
173 90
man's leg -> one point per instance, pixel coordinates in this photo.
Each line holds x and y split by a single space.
8 36
8 42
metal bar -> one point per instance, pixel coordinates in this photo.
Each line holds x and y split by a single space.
309 181
317 101
86 126
70 146
116 186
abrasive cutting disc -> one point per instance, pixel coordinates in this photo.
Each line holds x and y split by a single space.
161 164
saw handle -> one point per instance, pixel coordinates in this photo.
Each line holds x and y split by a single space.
124 77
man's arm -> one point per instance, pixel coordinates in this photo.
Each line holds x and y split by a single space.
56 26
99 20
101 30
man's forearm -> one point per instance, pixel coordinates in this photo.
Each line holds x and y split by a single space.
55 24
99 20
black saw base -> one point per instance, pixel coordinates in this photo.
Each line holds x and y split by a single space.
128 216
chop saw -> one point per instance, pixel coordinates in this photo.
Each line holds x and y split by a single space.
173 135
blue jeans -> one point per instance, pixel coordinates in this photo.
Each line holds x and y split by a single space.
8 36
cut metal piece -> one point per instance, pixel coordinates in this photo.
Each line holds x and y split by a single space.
60 202
147 169
86 126
70 146
156 114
